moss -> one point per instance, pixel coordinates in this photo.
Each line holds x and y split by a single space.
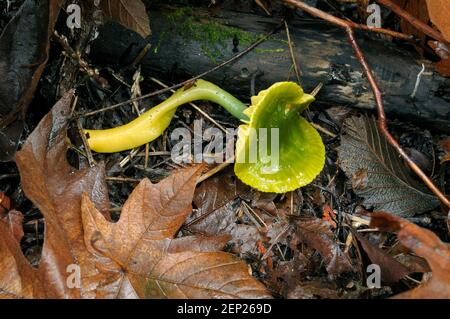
212 36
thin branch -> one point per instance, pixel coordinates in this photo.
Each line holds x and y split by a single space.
291 50
382 123
416 23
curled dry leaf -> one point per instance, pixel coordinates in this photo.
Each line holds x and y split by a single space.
378 174
131 14
55 188
142 258
316 233
24 46
426 244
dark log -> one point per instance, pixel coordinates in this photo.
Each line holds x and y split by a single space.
322 51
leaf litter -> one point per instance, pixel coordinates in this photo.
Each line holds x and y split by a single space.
236 242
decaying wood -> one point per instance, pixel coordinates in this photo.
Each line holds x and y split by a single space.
321 50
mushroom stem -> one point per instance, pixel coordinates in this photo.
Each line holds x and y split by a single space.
151 124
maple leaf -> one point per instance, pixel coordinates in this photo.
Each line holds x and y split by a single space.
426 244
142 258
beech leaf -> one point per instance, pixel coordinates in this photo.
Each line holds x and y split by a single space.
377 172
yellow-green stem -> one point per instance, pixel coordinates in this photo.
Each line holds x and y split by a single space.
151 124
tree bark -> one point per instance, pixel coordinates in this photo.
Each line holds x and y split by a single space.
322 51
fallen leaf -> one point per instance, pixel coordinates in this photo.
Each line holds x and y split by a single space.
317 234
391 270
55 188
131 14
20 280
217 203
388 184
24 48
439 11
142 258
14 221
425 244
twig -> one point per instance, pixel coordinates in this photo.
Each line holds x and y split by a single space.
382 123
89 156
291 50
416 23
70 52
122 179
215 170
176 86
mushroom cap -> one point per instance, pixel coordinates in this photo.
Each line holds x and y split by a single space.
278 150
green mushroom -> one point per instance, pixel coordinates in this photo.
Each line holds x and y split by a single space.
299 155
277 149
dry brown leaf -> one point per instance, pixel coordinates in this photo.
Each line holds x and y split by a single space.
440 15
131 14
426 244
391 270
141 257
215 215
17 278
55 188
317 234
